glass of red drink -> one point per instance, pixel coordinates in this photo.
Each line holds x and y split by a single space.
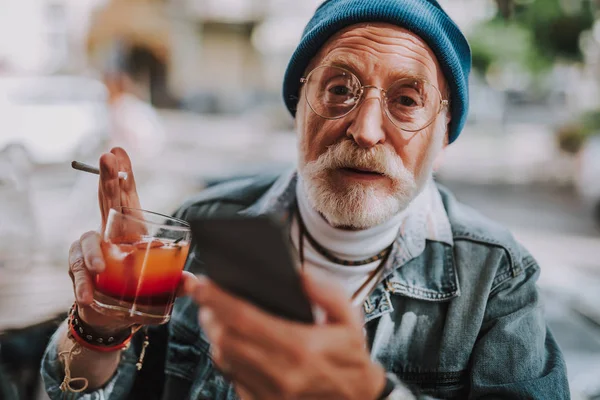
144 254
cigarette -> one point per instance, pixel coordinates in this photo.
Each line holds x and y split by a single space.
93 170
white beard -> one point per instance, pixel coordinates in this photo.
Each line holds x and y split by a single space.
358 206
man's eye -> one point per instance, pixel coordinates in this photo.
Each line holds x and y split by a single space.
407 101
340 90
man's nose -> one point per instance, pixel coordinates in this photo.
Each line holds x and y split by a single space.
367 127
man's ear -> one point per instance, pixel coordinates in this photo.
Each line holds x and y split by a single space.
299 109
447 135
439 159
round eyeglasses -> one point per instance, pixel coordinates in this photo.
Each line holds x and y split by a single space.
411 104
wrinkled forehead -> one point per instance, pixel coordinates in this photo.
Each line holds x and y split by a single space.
383 48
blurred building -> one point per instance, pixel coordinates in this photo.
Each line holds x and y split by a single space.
42 37
225 55
209 55
243 48
206 55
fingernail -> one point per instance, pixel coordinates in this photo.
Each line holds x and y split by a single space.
206 316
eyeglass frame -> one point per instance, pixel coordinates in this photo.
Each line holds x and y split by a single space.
443 102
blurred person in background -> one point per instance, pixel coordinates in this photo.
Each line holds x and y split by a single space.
450 307
135 124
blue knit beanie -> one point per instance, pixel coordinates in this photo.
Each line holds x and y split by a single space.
423 17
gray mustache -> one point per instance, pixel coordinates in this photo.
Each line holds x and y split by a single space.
379 161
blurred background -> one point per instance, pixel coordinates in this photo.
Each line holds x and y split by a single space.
191 88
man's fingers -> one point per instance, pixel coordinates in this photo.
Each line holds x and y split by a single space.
82 280
109 191
242 392
330 297
188 284
229 306
246 364
249 320
129 196
92 252
124 160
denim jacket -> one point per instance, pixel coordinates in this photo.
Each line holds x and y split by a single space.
458 319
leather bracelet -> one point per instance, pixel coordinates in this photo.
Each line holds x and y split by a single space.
86 336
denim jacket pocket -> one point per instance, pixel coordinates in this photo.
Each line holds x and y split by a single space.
188 356
185 351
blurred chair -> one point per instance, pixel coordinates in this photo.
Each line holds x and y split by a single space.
21 353
7 391
17 224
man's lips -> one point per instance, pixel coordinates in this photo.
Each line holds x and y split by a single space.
362 171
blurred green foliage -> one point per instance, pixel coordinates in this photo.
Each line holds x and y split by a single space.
533 35
573 135
498 43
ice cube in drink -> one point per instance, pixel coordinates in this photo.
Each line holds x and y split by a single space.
141 276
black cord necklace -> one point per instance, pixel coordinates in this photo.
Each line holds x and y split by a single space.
303 233
330 256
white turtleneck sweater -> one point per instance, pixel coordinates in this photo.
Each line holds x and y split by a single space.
344 244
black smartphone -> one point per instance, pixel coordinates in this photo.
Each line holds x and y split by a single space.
251 257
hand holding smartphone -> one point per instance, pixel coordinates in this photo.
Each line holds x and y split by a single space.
251 257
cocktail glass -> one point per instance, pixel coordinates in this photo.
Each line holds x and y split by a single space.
144 254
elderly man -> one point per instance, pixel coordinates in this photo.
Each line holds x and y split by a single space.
449 305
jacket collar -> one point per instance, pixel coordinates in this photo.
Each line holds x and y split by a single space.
421 264
278 201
